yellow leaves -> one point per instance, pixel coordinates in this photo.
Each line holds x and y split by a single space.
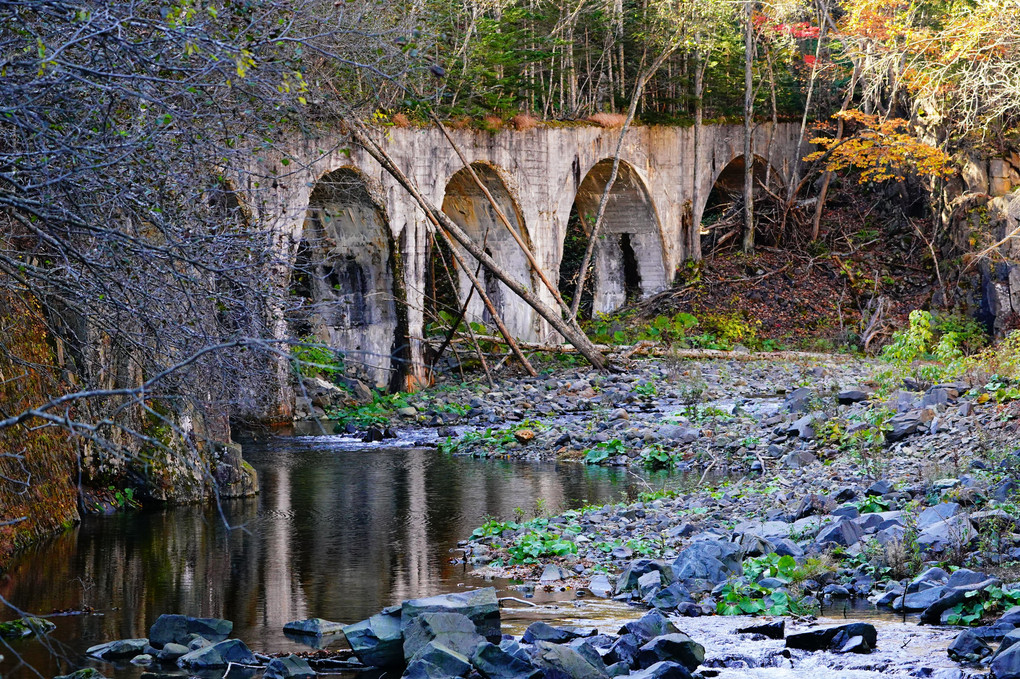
243 62
881 150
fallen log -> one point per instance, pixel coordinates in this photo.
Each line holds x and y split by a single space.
650 348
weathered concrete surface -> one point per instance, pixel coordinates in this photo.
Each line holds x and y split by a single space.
536 176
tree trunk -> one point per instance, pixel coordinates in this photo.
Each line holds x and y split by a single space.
748 245
443 223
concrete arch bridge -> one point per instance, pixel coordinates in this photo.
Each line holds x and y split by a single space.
365 274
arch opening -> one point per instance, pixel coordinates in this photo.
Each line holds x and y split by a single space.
723 215
629 261
344 283
466 204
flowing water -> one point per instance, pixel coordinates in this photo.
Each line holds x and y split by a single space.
339 531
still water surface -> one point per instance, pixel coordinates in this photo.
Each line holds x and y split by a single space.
338 532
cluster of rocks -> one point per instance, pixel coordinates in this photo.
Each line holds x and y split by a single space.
458 635
193 644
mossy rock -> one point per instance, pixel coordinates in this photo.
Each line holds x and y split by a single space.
25 627
83 673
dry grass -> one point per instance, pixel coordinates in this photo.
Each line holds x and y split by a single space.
400 120
608 120
461 123
492 123
523 121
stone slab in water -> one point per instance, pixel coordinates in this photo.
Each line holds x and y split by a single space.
177 628
289 667
218 655
480 605
821 639
378 642
121 649
662 670
313 627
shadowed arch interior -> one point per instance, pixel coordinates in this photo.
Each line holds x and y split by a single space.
344 281
722 217
629 262
466 204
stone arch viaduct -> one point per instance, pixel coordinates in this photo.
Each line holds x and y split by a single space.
358 247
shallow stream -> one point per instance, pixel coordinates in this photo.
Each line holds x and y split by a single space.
339 531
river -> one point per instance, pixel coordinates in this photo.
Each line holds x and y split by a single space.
339 531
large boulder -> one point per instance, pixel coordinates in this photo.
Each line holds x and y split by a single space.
378 642
453 631
218 655
822 639
844 533
480 605
711 560
436 661
543 631
677 647
967 647
647 627
177 629
492 662
563 662
638 568
1006 664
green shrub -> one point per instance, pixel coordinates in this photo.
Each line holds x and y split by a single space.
312 359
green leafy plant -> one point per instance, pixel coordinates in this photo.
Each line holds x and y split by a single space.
312 358
604 450
656 456
981 604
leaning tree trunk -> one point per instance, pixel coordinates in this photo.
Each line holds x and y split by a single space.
447 226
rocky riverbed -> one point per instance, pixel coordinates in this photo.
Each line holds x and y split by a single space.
819 483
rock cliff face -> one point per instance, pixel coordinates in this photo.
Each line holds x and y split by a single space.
354 241
37 489
984 209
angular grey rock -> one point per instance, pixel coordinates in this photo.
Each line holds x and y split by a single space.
313 627
647 627
563 662
710 560
600 586
542 631
851 396
953 533
377 641
1006 665
480 605
121 649
676 647
772 630
844 533
218 655
288 667
492 662
968 648
171 652
799 400
919 601
632 573
176 629
662 670
937 513
1009 639
453 631
670 597
435 661
798 459
821 639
